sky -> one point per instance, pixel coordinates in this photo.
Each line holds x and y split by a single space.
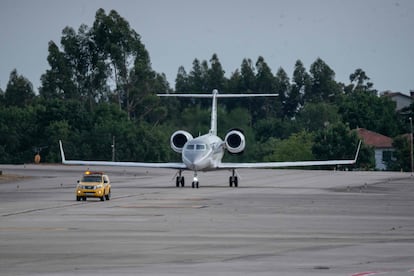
374 35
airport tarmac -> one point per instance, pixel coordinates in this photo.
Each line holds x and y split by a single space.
278 222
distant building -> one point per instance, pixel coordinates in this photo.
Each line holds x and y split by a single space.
401 100
382 146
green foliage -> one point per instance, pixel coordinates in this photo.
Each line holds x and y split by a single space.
401 156
100 85
366 110
336 141
298 147
318 116
19 91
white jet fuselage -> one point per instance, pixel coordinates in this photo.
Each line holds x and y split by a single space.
203 153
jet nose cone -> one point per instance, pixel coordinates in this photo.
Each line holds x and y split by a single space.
193 161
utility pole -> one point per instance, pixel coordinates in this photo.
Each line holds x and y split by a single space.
113 148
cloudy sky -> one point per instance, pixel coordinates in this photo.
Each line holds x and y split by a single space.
375 35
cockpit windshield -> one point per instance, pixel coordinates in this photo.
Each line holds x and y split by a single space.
198 147
201 147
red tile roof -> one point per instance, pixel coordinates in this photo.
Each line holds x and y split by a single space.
374 139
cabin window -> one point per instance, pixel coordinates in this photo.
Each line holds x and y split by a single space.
190 147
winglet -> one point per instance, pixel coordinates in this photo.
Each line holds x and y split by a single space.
61 152
357 152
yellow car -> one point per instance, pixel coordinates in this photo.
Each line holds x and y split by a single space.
93 184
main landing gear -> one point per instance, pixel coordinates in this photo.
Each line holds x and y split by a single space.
179 181
233 180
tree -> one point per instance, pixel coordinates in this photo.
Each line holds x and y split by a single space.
360 83
57 82
361 109
1 97
216 79
198 77
300 86
248 76
323 85
316 116
282 87
262 107
87 64
128 58
298 147
182 81
336 141
401 156
19 90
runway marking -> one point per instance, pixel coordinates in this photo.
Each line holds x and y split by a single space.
164 206
33 229
369 273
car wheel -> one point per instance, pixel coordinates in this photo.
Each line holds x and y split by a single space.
108 196
78 198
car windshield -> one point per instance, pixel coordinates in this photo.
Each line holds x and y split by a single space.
91 178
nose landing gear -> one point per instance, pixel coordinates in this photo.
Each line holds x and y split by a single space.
195 181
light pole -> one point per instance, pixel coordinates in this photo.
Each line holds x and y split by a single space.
411 144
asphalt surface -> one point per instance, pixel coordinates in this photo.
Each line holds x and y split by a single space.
278 222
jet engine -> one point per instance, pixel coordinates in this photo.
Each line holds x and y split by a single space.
178 140
235 141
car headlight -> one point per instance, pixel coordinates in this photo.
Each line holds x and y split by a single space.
98 186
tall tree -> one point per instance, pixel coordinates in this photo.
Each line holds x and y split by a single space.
216 79
301 84
198 77
87 63
19 90
248 76
262 107
182 81
57 82
283 88
360 83
127 56
323 84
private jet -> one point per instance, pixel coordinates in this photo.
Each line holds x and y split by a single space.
205 152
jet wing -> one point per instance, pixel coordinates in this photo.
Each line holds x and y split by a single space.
171 165
290 164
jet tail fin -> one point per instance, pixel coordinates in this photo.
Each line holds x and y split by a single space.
214 95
